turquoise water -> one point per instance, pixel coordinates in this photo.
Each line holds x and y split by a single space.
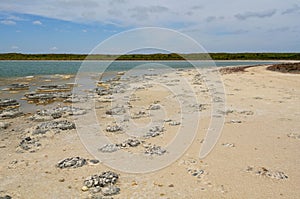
27 68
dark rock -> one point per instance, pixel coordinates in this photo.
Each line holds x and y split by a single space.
94 161
109 148
71 163
104 179
154 131
29 144
4 125
46 126
154 107
154 150
9 114
17 86
114 128
54 88
5 197
8 103
110 190
174 123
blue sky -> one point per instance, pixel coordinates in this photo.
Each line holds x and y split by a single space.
77 26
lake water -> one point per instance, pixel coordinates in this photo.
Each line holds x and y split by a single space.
28 68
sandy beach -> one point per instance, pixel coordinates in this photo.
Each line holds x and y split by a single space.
256 156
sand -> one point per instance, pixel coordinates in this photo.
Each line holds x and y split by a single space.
261 132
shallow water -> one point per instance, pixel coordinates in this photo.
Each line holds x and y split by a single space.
28 68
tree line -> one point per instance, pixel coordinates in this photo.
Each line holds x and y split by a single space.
158 56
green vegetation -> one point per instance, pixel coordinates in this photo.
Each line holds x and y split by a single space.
172 56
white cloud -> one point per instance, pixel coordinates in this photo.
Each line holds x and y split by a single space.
295 8
15 48
8 22
37 22
54 48
84 30
215 23
261 14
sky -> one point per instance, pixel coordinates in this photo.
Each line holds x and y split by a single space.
78 26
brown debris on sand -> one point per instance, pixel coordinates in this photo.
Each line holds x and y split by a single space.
286 68
229 70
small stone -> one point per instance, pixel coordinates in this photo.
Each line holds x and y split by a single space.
94 161
171 185
235 121
4 125
84 188
61 180
110 190
134 183
109 148
154 107
174 123
96 189
6 197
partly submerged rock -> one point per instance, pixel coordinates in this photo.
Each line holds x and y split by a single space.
9 104
53 88
17 87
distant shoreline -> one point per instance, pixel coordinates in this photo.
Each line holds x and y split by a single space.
273 60
153 57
